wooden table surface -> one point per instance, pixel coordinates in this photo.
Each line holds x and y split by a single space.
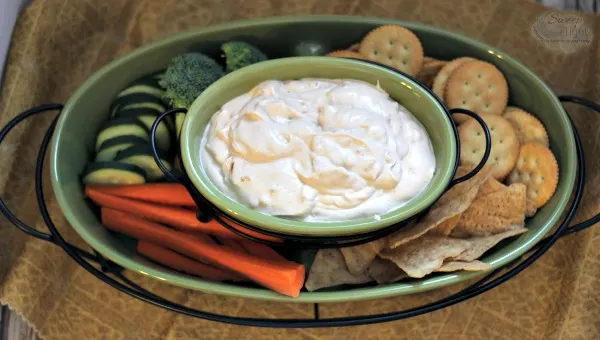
13 327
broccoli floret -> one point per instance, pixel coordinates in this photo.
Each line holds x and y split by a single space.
187 76
239 54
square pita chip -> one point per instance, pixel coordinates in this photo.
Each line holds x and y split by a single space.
425 254
385 271
445 213
479 245
329 269
359 257
493 213
473 266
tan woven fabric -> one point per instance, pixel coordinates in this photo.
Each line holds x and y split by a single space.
57 44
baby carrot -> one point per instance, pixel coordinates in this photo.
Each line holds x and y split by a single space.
162 193
179 262
175 217
284 277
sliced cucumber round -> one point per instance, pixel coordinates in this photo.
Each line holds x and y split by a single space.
144 111
134 98
108 150
158 75
142 89
157 108
137 111
151 79
123 126
113 173
163 132
142 156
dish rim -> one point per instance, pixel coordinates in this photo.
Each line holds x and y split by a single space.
525 241
424 199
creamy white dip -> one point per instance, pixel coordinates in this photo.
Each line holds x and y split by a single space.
317 150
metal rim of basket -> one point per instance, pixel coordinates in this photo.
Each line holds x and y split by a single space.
108 269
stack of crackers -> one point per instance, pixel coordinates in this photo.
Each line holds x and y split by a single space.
519 177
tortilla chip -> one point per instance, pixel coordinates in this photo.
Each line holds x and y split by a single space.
329 269
425 254
473 266
479 245
446 227
450 205
359 257
493 213
530 208
462 188
431 67
490 186
385 271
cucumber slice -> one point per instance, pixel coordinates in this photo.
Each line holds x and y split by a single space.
163 134
179 118
156 108
158 76
134 98
124 126
113 173
143 111
141 155
151 79
108 149
142 89
136 111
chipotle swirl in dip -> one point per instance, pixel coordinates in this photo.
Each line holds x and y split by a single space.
317 150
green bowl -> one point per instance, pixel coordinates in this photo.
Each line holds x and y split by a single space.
73 140
421 103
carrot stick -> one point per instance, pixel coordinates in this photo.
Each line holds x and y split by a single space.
250 232
284 277
162 193
261 250
173 260
233 244
176 217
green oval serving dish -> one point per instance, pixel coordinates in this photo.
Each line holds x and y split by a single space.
421 103
73 140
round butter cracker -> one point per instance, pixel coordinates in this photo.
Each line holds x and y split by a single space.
439 82
345 54
510 108
395 46
354 47
505 144
477 86
528 128
537 168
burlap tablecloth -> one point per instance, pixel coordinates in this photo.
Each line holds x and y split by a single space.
57 44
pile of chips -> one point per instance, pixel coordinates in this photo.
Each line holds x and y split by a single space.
466 222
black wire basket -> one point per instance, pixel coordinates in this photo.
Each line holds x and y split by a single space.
113 274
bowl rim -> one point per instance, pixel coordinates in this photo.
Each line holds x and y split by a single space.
496 260
423 200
